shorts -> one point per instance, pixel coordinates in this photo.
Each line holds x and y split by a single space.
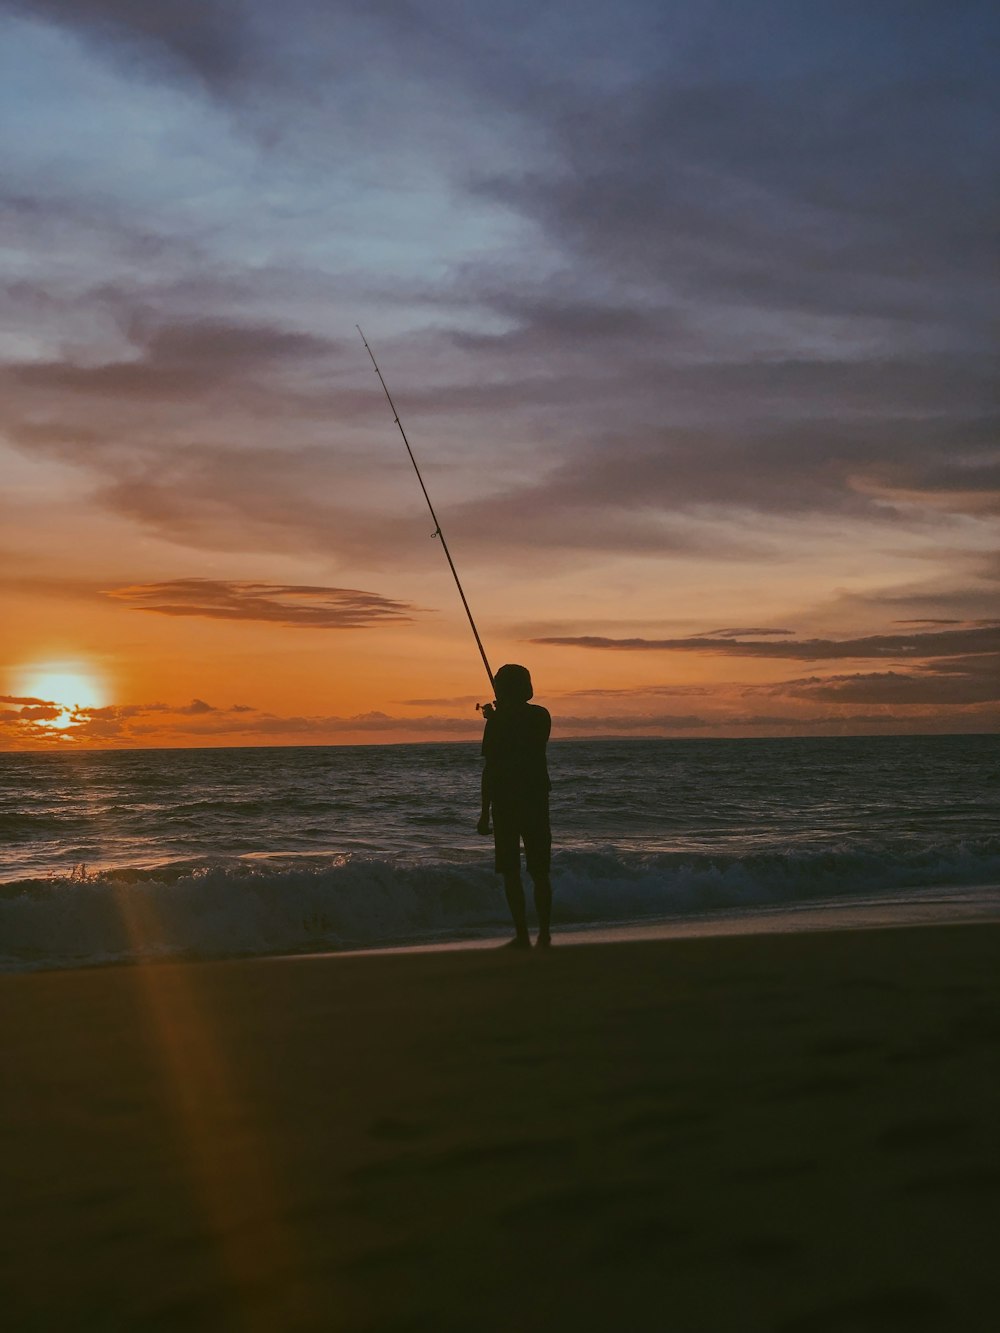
514 824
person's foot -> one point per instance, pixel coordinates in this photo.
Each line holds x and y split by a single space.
518 942
544 940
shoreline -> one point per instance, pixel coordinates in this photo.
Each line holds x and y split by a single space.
921 907
776 1133
973 905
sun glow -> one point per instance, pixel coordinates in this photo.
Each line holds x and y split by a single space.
66 686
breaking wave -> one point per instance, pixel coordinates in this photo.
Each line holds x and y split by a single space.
260 906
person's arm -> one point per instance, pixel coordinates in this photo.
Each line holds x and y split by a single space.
483 826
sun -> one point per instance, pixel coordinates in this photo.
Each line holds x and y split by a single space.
66 685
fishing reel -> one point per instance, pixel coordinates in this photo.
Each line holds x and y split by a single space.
487 710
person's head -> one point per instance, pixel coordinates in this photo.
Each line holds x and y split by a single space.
513 684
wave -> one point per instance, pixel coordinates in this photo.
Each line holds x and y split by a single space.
260 906
22 826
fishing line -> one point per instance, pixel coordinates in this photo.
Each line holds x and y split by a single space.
437 526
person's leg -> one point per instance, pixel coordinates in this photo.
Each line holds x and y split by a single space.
514 890
543 906
538 857
507 862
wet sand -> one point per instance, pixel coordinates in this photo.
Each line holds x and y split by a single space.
794 1133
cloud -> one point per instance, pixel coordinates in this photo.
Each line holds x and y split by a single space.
962 590
125 712
785 191
454 701
302 606
175 362
959 681
801 723
154 724
676 488
749 301
41 713
220 434
942 643
127 723
639 691
119 712
201 38
702 279
643 723
791 279
742 633
102 723
683 487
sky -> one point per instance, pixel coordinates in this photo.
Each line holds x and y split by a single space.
688 309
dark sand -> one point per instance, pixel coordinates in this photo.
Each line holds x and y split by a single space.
794 1133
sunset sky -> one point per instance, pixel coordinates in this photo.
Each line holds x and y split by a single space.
689 310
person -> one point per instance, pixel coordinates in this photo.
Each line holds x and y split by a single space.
515 786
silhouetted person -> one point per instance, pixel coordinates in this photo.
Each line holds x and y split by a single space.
516 786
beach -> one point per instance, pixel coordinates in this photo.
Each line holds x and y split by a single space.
765 1132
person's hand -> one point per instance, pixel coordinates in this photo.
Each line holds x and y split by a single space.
483 826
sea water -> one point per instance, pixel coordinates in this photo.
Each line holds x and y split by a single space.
121 855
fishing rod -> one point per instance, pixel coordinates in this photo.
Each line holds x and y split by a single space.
437 526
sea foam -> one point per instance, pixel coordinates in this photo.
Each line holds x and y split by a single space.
260 906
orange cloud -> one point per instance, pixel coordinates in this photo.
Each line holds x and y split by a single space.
304 606
942 643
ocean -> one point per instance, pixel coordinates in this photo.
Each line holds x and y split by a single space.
116 856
